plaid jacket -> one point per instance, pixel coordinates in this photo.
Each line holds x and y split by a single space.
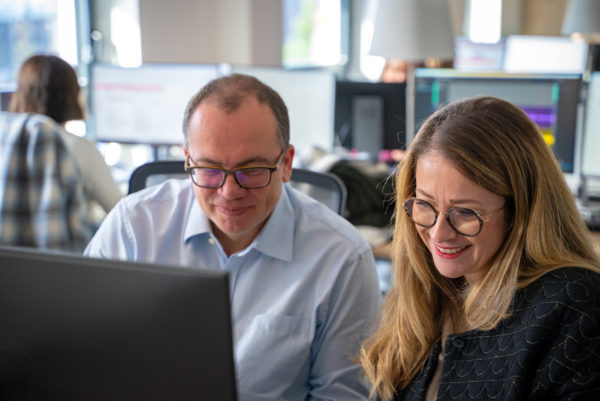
42 201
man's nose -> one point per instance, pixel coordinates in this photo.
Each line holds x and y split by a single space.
231 189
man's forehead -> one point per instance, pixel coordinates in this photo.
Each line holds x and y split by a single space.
232 101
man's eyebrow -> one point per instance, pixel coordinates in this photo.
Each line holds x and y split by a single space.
253 160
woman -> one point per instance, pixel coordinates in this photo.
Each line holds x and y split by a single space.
497 291
48 85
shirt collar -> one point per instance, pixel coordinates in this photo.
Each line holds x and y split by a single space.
196 223
275 239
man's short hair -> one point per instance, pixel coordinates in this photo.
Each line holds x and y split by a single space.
230 91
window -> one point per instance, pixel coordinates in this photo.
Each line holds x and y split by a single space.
315 33
35 26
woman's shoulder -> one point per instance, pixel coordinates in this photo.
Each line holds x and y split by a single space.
567 281
567 288
560 322
78 144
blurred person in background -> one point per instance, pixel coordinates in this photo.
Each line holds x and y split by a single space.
48 85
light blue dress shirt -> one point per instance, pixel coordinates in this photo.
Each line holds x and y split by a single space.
303 294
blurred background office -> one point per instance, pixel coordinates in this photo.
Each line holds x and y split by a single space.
139 61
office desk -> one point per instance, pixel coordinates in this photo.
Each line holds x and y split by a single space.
384 251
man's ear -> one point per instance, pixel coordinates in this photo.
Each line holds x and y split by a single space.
288 158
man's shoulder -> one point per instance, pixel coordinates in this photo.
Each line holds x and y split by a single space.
314 217
159 198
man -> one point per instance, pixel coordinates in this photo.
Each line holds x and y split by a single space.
304 288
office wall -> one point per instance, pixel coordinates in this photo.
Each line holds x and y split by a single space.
543 17
248 32
208 31
178 30
266 32
233 35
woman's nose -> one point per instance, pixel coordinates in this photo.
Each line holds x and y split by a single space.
442 230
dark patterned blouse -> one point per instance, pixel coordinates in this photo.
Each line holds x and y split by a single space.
549 349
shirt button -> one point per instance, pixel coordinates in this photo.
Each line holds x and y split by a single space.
458 343
211 241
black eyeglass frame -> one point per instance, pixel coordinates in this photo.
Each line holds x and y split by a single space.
271 168
481 218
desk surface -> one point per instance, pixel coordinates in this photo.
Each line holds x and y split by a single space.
383 251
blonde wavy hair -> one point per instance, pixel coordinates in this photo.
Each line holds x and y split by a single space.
494 144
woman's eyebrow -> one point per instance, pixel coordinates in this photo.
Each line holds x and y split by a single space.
425 194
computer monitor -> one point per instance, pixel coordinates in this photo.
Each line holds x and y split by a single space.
544 54
591 143
591 136
146 104
5 96
76 328
552 101
309 97
370 116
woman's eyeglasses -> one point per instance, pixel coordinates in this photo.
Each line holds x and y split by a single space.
464 221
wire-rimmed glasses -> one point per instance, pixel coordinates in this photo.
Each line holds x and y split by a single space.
249 177
464 221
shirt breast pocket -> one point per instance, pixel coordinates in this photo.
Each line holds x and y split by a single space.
273 351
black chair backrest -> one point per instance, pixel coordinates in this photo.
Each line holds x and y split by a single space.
324 187
155 172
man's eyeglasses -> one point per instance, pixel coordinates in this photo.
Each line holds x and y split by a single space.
464 221
250 177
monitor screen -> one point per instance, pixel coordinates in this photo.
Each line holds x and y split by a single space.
146 104
552 101
591 136
309 97
5 96
544 54
76 328
370 117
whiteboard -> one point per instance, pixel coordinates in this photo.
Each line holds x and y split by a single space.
145 104
310 99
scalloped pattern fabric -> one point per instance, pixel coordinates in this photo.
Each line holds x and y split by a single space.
549 349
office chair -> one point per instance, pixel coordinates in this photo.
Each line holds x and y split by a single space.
324 187
155 172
